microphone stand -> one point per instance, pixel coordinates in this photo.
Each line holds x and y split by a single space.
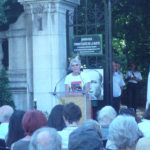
54 92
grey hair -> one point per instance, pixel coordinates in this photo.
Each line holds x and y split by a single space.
50 142
106 115
124 131
86 137
74 60
92 124
5 113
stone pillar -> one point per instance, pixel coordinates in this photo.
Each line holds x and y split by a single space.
1 54
46 47
17 69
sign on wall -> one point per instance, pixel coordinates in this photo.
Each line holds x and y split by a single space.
87 44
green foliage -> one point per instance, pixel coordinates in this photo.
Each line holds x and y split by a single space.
130 23
3 19
5 94
9 12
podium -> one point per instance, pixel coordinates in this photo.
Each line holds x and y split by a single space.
82 100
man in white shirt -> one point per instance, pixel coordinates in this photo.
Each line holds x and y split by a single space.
118 84
133 77
71 115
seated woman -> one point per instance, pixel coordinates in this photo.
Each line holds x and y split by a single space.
71 114
15 129
105 116
32 120
55 119
77 82
123 133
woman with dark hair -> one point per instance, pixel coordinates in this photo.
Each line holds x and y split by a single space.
133 77
127 111
15 129
55 119
32 120
72 114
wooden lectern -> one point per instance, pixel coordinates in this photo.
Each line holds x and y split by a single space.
79 99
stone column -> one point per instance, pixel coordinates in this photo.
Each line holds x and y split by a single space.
46 38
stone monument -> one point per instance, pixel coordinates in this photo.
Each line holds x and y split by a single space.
37 52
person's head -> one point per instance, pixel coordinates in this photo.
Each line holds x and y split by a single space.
133 67
147 113
92 124
95 84
117 65
15 130
45 139
32 120
71 113
106 115
127 111
55 119
124 132
75 65
5 113
86 137
114 67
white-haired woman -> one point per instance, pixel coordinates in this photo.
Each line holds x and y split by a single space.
77 81
123 133
105 116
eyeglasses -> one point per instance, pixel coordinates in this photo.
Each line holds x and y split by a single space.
75 65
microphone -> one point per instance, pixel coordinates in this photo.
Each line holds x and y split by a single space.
68 72
54 92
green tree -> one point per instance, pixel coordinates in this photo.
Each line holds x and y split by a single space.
3 19
130 24
9 12
5 94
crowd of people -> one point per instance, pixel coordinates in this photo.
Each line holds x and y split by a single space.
114 128
31 130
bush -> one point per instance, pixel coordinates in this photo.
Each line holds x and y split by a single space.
5 93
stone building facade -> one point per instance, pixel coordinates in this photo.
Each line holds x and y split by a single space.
37 52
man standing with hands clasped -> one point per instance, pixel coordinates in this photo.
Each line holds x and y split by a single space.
133 77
